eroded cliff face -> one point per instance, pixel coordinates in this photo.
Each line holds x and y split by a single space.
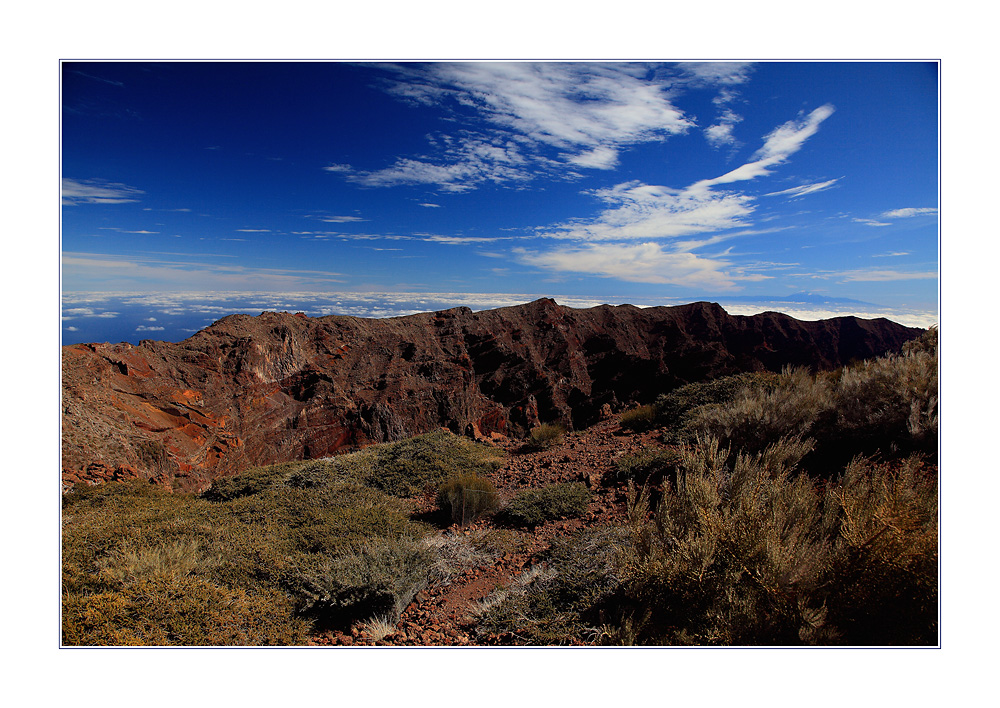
278 387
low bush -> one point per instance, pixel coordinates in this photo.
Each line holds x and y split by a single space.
277 548
886 406
648 466
468 497
379 578
759 416
407 467
545 436
559 601
639 419
673 407
456 553
531 507
747 551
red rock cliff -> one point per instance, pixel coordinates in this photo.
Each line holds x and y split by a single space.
256 390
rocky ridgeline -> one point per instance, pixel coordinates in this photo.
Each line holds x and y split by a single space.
278 387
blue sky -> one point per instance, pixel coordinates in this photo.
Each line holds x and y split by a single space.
192 189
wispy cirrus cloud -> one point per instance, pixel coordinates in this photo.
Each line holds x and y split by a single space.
148 271
335 218
779 145
540 118
880 276
649 233
97 191
644 211
908 212
641 263
805 189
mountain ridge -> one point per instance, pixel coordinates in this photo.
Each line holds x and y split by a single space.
279 387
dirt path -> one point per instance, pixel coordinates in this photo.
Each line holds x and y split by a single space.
439 614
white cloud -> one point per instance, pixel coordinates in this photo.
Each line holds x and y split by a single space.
721 133
144 328
686 219
872 222
467 163
805 189
908 212
433 206
461 240
82 271
878 276
588 112
254 231
339 219
600 158
639 263
726 73
395 304
338 168
96 191
644 211
779 145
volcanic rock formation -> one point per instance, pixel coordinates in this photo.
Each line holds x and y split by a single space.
278 387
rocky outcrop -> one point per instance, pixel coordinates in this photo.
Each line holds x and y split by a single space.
277 387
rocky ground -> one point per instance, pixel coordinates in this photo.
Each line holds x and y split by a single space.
439 614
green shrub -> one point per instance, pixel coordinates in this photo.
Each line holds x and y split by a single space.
380 578
639 419
191 611
886 405
746 551
468 497
559 601
673 407
531 507
545 436
757 417
281 546
407 467
648 466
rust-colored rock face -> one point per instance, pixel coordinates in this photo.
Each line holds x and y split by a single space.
278 387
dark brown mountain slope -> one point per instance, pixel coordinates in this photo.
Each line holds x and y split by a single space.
256 390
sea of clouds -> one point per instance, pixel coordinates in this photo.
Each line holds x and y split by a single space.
132 317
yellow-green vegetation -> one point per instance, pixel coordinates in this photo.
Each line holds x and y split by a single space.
748 551
531 507
262 557
467 497
649 466
545 436
640 418
746 545
559 601
884 406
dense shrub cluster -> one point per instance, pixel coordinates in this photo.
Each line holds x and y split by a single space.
531 507
468 497
261 557
672 408
558 601
649 466
884 406
639 419
747 551
545 435
407 467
